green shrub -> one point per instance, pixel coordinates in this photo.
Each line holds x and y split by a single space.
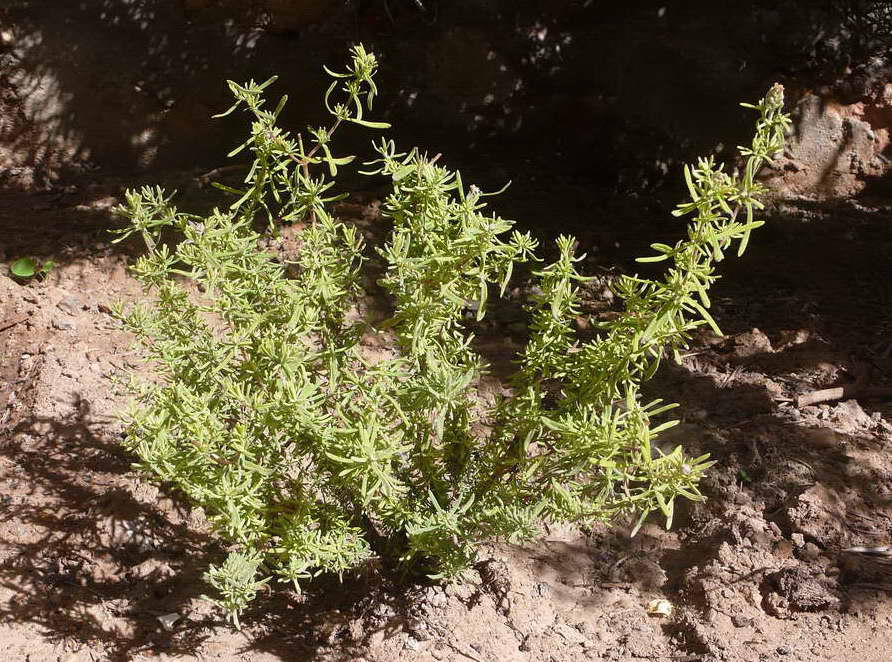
302 450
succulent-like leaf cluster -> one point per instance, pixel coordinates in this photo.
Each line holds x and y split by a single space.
302 449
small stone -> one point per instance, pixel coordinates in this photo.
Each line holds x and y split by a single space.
62 325
168 620
851 415
664 607
752 343
418 629
783 650
412 644
70 305
102 308
783 549
741 621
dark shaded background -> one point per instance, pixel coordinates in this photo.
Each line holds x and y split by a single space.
610 95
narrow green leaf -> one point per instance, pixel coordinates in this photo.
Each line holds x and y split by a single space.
369 124
690 182
706 316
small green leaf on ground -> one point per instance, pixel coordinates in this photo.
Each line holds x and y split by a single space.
24 267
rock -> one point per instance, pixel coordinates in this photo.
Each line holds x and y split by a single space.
70 304
850 416
867 564
62 325
740 621
169 620
752 343
832 150
134 533
151 569
803 591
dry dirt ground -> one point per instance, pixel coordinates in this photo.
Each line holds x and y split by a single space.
96 564
93 560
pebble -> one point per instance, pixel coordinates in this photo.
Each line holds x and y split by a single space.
62 325
741 621
168 620
70 305
418 630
